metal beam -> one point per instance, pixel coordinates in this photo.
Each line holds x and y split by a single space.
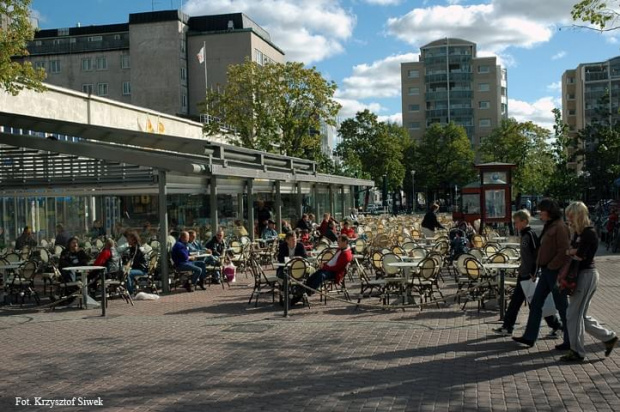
250 191
163 231
213 204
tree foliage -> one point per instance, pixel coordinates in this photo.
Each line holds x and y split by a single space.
371 149
444 158
564 183
15 31
598 13
278 108
524 144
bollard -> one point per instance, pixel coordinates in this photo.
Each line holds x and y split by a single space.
103 293
285 286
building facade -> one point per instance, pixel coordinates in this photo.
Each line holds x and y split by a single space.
589 90
152 61
450 83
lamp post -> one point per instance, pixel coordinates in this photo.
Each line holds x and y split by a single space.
413 199
384 193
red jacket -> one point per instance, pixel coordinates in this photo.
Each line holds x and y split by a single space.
344 258
350 232
103 257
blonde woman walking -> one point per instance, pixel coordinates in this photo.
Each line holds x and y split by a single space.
583 248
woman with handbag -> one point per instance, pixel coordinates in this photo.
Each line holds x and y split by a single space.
583 248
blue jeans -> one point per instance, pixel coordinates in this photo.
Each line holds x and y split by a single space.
130 278
516 301
546 285
317 278
196 267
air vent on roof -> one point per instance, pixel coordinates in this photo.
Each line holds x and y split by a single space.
231 25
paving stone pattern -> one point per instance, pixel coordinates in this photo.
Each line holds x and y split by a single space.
211 351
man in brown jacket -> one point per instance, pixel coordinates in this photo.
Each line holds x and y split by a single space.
554 242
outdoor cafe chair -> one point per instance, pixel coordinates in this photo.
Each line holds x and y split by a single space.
409 246
418 253
262 282
22 284
491 249
478 241
426 280
360 246
478 283
478 254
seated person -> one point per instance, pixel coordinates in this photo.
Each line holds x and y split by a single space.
304 238
331 232
348 230
286 227
97 230
26 239
289 248
270 233
73 255
134 257
183 261
194 244
109 258
217 247
304 223
333 270
239 230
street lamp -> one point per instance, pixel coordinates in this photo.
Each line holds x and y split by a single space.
413 199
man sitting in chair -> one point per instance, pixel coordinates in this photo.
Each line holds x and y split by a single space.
289 248
333 270
183 261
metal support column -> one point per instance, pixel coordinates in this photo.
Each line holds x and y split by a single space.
240 206
343 202
215 224
299 204
163 231
250 192
332 204
278 206
317 212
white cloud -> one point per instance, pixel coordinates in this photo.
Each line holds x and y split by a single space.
558 55
350 107
538 112
378 79
392 118
307 30
555 86
494 26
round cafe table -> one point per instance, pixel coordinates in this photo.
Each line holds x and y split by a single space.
82 271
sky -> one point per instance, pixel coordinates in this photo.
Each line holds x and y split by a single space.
359 44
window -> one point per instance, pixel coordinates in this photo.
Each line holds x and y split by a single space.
183 73
39 65
484 123
124 61
571 96
484 87
63 31
54 66
570 80
87 88
87 64
414 91
72 40
102 89
184 101
571 112
102 63
95 38
126 88
484 69
259 56
414 107
59 41
413 74
117 37
414 126
183 46
38 43
484 104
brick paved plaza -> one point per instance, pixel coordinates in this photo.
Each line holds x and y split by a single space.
210 351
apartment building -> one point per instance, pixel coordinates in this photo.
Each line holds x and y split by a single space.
584 91
152 61
450 83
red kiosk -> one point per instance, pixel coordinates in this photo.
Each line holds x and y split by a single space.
489 199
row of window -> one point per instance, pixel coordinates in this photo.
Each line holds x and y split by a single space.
102 88
482 87
261 58
484 104
414 73
61 32
88 64
481 123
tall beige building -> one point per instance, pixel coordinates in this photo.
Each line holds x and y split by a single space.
450 83
583 92
152 61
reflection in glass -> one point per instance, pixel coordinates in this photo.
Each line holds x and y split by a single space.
495 203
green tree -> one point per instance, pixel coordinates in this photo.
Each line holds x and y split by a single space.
278 108
15 31
564 184
371 149
597 13
444 158
524 144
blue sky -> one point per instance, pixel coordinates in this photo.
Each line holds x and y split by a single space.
360 44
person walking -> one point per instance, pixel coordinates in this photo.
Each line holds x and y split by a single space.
583 248
554 241
527 272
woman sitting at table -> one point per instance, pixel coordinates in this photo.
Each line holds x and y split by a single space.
289 248
135 259
109 258
72 256
348 230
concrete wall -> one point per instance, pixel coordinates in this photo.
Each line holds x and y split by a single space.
67 105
